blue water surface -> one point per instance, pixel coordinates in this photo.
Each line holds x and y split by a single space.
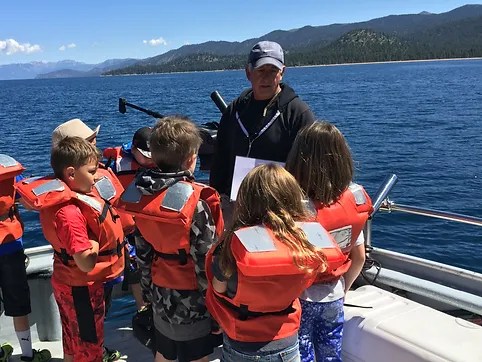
420 120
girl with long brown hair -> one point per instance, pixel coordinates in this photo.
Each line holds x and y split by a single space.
266 258
321 161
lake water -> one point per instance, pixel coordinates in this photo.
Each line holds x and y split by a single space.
420 120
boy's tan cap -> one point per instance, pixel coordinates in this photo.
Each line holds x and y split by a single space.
73 128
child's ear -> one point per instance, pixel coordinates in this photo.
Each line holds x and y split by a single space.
69 173
188 163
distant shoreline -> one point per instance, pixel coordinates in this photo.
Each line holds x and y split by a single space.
304 66
387 62
291 66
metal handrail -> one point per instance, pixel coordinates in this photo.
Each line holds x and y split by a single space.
390 206
383 203
382 193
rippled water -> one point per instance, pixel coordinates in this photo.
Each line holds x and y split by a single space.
419 120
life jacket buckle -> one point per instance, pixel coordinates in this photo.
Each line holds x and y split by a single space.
182 256
64 256
243 312
119 247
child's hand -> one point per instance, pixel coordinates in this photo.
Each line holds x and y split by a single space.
218 331
95 246
215 327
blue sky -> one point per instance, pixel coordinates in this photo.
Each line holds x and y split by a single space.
93 31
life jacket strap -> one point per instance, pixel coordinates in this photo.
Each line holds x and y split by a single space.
108 163
65 257
181 256
244 313
114 251
9 215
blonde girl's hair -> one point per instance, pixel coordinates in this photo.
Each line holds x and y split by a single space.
270 196
72 152
321 162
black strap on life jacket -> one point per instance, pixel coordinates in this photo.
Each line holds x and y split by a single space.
62 254
128 172
108 208
117 250
244 313
181 256
10 214
108 163
65 257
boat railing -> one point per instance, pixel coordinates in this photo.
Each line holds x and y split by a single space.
391 206
381 202
452 286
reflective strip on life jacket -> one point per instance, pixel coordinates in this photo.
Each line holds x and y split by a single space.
358 193
105 188
7 161
125 164
177 196
49 186
317 235
131 195
93 203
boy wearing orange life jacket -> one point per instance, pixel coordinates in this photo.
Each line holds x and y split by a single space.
321 162
13 276
268 256
86 235
125 161
77 128
179 220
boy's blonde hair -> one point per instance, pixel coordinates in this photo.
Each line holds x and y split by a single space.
173 141
270 196
321 161
72 152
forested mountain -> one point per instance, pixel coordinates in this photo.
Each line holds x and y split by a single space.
457 33
454 34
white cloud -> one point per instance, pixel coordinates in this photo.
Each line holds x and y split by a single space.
68 46
155 42
11 46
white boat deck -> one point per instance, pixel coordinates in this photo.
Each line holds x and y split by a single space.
393 326
118 335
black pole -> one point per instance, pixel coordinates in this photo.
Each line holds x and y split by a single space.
219 101
122 108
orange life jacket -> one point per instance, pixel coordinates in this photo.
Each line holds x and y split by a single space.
126 166
127 220
164 220
11 227
265 306
48 195
345 220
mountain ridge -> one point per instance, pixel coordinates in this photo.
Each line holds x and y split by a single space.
419 31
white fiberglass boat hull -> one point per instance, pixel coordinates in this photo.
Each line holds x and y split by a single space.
397 329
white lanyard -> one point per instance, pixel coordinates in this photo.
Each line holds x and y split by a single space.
246 133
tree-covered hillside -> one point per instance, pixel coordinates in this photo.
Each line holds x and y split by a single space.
457 39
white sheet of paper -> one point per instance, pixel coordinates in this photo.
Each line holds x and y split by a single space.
242 166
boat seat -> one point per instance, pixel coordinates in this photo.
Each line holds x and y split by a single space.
397 329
